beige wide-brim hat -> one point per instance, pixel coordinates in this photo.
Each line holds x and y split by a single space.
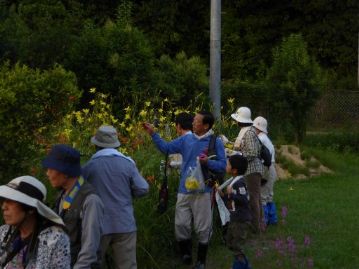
29 191
242 115
106 137
261 124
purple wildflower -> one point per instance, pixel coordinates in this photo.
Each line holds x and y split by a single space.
291 245
306 240
259 253
310 263
284 212
279 246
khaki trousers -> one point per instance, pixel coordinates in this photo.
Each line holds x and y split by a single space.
123 247
197 207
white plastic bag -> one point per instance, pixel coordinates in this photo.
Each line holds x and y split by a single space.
195 180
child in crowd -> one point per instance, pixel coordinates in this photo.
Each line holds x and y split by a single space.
237 201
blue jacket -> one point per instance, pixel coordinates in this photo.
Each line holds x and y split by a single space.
116 180
190 147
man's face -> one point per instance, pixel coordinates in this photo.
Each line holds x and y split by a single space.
198 127
57 179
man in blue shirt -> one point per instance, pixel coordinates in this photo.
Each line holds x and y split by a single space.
117 180
193 205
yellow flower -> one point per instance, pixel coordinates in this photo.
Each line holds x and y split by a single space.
127 117
92 102
166 100
122 125
80 120
143 113
85 110
129 128
162 118
113 119
148 103
127 109
92 90
67 132
230 100
160 110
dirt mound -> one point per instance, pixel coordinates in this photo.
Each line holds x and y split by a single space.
291 163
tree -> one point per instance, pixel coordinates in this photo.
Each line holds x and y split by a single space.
295 82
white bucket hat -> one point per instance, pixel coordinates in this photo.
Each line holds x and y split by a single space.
29 191
261 124
106 137
242 115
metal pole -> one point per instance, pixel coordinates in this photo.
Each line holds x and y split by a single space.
215 58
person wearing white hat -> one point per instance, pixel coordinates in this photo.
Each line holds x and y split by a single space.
270 174
248 144
33 235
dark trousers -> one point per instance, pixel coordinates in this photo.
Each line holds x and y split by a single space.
236 236
253 182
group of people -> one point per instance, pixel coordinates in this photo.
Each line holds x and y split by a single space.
92 212
94 209
249 200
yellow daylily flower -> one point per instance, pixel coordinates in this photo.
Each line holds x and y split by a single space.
92 90
143 113
129 128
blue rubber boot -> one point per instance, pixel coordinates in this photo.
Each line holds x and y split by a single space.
237 264
266 213
272 213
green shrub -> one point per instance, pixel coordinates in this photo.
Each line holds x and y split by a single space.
30 99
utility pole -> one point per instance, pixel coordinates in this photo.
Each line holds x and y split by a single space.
215 58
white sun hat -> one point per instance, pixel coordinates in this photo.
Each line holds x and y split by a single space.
29 191
242 115
261 124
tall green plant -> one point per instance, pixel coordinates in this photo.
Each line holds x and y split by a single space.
295 81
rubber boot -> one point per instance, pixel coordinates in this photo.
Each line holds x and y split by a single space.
272 214
265 214
186 251
237 264
201 256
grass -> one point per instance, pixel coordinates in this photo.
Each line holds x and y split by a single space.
319 230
